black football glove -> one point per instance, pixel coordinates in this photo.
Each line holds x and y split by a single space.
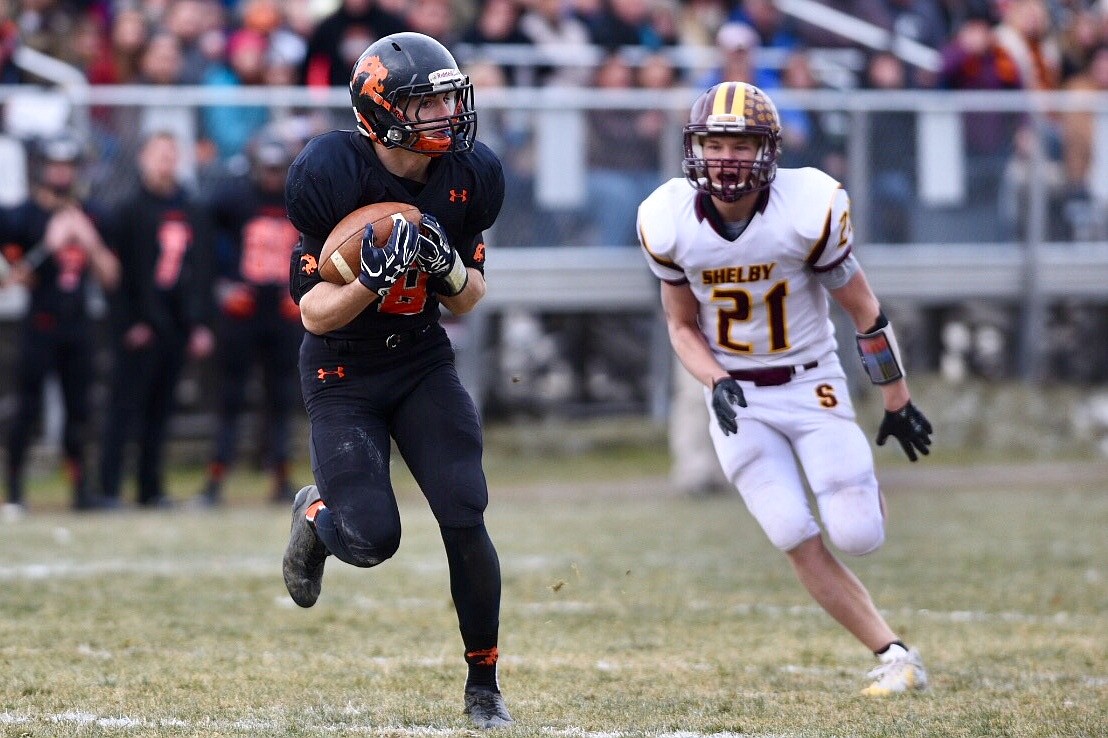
439 259
909 427
725 393
435 254
381 267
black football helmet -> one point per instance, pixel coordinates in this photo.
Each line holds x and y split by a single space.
402 67
268 158
59 149
736 108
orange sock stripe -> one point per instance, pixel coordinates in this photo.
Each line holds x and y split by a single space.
313 510
483 657
72 470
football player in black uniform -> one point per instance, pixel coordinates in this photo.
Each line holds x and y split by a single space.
375 362
258 321
54 240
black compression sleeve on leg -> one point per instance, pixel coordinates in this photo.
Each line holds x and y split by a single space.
475 588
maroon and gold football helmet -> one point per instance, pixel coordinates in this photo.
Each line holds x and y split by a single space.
732 108
404 67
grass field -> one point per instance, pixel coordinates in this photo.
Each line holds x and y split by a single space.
627 612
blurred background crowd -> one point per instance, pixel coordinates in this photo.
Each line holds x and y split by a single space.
598 44
915 191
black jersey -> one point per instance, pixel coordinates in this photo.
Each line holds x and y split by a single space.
165 251
255 238
59 293
339 172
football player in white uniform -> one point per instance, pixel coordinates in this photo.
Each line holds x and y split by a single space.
747 257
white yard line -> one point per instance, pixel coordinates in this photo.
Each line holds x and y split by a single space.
263 566
80 569
123 723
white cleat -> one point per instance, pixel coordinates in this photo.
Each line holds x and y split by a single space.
12 512
900 671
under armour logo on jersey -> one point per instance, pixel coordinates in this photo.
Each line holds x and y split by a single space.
308 264
338 372
459 195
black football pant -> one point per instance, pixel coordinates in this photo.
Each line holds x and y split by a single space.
142 401
271 342
416 399
44 353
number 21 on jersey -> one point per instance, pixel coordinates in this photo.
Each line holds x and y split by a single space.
737 306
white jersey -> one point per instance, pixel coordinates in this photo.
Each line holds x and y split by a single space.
760 301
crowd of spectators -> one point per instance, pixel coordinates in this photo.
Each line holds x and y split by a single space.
984 45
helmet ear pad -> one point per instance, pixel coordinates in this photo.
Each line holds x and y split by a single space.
375 121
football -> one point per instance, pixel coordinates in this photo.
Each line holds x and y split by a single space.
340 259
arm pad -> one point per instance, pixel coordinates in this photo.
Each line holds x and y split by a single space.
879 352
455 280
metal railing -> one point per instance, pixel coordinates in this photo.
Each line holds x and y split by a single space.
937 265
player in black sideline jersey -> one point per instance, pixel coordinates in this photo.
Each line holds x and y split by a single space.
258 322
375 361
54 241
161 315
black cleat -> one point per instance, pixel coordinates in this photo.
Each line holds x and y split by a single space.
282 493
86 502
305 555
212 495
486 708
157 502
209 497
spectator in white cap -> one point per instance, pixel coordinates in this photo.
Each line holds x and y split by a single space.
738 46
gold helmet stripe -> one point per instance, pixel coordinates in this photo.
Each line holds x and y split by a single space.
719 104
735 92
739 104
